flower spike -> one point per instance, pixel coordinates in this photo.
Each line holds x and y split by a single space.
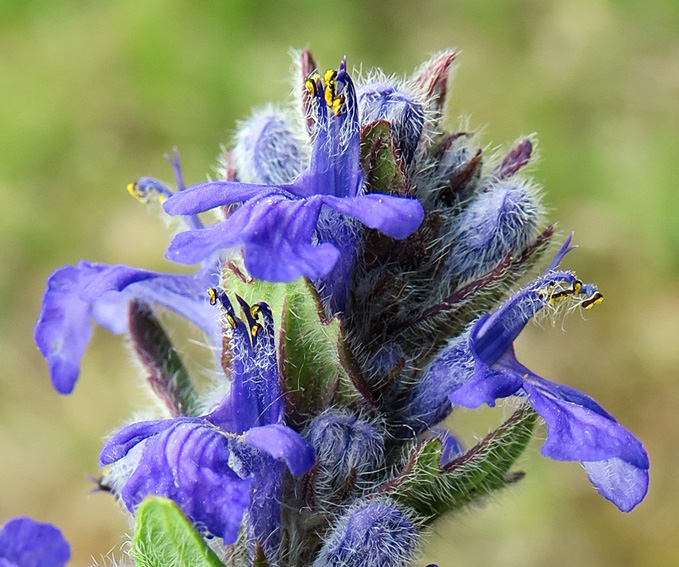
361 283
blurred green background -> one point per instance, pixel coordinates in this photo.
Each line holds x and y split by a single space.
93 93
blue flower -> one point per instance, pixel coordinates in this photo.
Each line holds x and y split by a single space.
303 228
480 366
27 543
77 295
217 466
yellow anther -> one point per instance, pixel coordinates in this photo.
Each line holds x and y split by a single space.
310 85
231 320
329 76
337 104
577 286
212 293
559 295
254 311
329 94
592 301
132 190
162 199
255 330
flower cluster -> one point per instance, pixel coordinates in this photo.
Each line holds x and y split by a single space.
356 288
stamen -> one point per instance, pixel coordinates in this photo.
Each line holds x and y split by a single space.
232 321
254 311
310 85
255 330
329 94
132 190
338 104
593 300
212 293
329 76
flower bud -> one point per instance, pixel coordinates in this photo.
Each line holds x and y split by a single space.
349 451
267 151
373 534
502 220
384 101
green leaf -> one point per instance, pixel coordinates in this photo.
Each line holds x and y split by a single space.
317 366
164 537
431 490
383 167
167 374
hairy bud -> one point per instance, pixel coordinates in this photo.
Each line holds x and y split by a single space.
267 151
384 101
376 534
502 220
349 452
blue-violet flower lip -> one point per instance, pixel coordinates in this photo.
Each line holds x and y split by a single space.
76 295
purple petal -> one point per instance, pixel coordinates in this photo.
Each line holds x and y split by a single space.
254 397
283 443
63 329
188 462
27 543
120 444
395 216
267 386
74 295
492 335
185 294
277 236
206 196
578 429
451 446
565 249
487 384
240 409
622 483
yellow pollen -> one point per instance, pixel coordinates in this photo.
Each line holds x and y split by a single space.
592 301
330 74
329 94
255 330
310 87
212 293
132 190
337 104
231 321
254 311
